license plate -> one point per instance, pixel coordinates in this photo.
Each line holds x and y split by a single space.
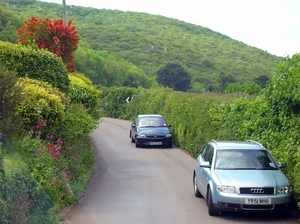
259 201
155 143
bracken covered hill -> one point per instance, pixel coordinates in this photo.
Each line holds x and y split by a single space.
144 42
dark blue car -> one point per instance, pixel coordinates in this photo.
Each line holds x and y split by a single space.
150 130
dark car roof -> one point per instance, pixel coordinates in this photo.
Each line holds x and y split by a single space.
237 145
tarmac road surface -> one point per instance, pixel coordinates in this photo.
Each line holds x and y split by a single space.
146 186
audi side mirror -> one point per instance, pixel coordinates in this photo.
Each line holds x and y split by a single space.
205 164
281 165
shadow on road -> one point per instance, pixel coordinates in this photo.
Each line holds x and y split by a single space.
261 217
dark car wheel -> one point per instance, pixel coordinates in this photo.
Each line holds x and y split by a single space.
286 213
137 145
196 191
211 210
132 139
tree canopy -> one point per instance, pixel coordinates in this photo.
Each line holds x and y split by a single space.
174 76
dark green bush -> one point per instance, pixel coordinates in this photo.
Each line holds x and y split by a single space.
78 122
10 97
80 91
35 63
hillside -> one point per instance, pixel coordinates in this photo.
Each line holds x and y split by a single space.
140 44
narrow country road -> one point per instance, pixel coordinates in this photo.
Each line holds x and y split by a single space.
145 186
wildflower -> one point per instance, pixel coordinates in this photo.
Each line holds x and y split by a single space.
58 148
59 141
55 39
68 188
54 181
42 122
76 158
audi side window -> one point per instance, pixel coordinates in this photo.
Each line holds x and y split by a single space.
210 155
204 152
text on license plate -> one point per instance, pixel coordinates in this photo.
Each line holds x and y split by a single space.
257 201
155 143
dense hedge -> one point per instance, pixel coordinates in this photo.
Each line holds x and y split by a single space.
34 63
113 101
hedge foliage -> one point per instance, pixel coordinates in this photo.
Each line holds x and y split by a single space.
22 199
78 122
56 154
10 97
271 118
34 63
113 101
82 91
41 101
188 113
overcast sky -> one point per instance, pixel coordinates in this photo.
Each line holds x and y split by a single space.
270 25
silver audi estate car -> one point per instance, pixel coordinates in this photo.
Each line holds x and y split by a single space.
241 176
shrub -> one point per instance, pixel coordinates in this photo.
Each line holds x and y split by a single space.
34 63
82 77
23 200
53 35
41 101
77 123
83 93
10 97
57 165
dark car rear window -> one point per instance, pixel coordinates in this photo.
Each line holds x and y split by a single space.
151 122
